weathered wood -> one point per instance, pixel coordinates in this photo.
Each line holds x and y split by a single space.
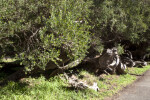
109 61
106 59
129 62
78 84
146 57
120 69
140 63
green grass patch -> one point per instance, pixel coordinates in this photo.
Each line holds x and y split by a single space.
42 89
57 88
138 71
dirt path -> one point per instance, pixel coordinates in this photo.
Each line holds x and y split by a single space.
140 90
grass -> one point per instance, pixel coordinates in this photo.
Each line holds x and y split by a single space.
57 88
138 71
41 89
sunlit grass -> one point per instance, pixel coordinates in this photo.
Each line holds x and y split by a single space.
138 71
41 89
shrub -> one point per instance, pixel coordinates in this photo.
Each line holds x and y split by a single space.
37 31
118 20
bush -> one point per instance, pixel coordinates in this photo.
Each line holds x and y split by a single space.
38 31
119 20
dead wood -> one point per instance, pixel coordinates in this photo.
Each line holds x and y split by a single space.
109 61
78 84
120 69
129 62
140 64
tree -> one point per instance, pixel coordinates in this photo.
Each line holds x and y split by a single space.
116 21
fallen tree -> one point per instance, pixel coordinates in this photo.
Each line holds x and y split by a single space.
78 84
109 62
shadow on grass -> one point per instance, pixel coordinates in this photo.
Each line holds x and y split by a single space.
70 88
13 88
136 74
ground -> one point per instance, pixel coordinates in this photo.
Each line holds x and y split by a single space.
57 88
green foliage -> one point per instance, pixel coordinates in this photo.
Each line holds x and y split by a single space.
98 44
120 49
38 31
118 20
